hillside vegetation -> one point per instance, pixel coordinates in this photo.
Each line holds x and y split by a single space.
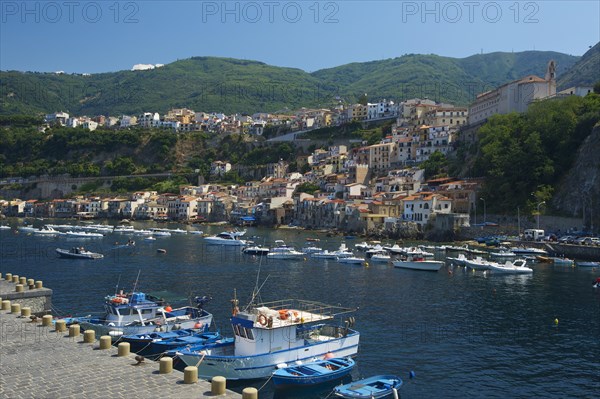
524 157
228 85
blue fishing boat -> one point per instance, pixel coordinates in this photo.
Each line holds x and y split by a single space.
378 386
313 373
159 347
137 313
140 343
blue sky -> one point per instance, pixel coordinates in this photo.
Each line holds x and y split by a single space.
100 36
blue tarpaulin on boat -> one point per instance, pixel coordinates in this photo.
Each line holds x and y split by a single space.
248 218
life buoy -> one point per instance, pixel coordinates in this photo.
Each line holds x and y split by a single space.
283 314
262 320
117 300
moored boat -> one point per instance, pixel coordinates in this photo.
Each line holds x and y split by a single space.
312 373
588 264
226 238
282 251
269 334
353 260
377 386
256 250
459 260
562 261
137 313
518 266
418 263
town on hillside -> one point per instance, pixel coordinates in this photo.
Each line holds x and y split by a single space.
366 189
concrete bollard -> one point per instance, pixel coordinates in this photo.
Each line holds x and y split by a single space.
15 279
15 308
165 365
26 311
47 320
123 349
38 284
31 283
74 330
6 304
23 280
89 336
105 342
250 393
217 385
60 326
19 288
190 375
8 277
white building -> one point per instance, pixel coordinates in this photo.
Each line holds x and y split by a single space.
514 96
419 207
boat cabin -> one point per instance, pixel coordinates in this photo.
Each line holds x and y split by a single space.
284 325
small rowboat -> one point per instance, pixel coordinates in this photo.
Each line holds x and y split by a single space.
378 386
317 372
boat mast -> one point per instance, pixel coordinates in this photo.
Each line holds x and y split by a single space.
136 280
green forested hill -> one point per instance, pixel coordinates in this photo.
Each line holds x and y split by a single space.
228 85
585 72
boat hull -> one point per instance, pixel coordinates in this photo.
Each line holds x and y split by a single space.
426 265
313 373
263 365
378 386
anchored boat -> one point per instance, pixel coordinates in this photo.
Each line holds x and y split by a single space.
378 386
312 373
272 335
136 313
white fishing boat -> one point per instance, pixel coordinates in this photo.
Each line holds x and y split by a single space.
419 263
269 336
282 251
417 252
226 238
395 250
518 266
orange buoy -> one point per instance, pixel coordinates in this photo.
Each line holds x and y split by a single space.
168 308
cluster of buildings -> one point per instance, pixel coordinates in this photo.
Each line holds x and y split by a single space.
364 188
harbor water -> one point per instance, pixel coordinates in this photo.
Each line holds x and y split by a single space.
462 334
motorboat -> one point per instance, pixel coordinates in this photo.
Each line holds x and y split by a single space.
47 231
82 234
378 386
588 264
519 251
479 263
395 250
270 335
157 346
459 260
138 313
418 252
419 263
256 250
381 258
78 253
325 254
226 238
312 373
311 250
518 266
351 260
282 251
343 252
